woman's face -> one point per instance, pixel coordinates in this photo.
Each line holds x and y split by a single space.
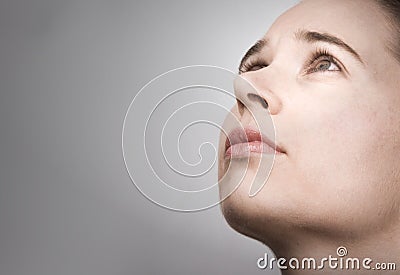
333 91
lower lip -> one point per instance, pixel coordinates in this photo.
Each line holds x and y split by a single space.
243 150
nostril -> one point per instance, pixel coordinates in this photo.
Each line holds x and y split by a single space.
264 103
258 98
240 106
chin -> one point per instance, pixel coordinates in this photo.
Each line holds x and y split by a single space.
264 217
284 211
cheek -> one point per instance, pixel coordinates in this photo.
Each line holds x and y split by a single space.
335 131
346 154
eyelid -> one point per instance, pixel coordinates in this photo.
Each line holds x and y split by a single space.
313 66
318 55
252 62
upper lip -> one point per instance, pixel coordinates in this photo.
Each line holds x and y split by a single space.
246 135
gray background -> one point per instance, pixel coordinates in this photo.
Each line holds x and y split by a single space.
69 70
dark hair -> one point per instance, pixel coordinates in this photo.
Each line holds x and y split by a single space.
391 9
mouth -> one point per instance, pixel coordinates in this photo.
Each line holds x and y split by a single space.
241 142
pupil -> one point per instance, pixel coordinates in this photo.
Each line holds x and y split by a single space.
324 65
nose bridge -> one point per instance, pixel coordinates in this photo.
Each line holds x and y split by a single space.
254 90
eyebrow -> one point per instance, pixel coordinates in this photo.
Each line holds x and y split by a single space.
307 36
314 37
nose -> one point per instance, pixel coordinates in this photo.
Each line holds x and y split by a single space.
253 91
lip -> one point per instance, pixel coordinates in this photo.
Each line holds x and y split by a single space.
241 142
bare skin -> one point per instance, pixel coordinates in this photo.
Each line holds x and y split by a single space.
336 111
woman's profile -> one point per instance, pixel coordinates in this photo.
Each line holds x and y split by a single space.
328 74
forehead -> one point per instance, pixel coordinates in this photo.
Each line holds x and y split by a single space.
360 23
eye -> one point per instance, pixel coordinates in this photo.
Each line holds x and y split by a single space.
325 63
322 61
251 66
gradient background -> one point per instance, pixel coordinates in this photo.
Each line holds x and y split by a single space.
69 70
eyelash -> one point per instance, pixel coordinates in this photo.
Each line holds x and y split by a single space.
249 65
320 54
